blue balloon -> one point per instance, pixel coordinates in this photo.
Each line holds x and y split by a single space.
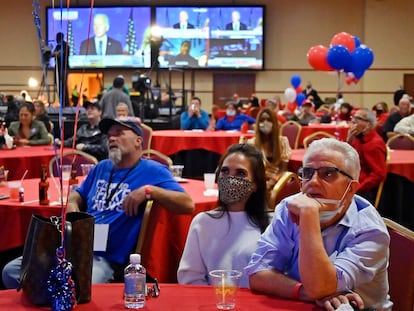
358 74
362 59
357 41
338 57
295 81
300 98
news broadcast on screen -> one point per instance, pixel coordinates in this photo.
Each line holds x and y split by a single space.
123 31
210 37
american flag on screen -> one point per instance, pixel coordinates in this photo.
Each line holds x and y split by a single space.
71 39
131 40
167 18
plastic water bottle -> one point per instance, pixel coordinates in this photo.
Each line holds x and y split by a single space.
134 277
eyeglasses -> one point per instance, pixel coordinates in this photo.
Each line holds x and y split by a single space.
327 173
357 118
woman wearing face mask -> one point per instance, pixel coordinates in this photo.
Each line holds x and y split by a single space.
225 237
275 148
233 120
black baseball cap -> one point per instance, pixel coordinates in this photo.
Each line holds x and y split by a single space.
92 104
130 123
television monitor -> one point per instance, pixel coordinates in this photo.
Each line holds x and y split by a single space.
125 44
211 37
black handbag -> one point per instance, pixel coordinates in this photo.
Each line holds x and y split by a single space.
39 255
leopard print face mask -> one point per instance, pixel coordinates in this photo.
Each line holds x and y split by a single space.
234 189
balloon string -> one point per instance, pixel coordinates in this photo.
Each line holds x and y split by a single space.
78 106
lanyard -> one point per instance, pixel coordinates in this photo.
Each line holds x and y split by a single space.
110 195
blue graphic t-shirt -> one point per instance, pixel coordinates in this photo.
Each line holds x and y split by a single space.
123 229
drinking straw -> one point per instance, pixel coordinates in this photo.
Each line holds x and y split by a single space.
24 175
223 294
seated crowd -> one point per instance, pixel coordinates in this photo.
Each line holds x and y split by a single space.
327 244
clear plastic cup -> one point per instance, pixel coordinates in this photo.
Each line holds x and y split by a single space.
86 168
14 187
226 284
209 180
177 170
65 170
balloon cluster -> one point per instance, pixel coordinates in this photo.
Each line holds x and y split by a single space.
294 94
346 53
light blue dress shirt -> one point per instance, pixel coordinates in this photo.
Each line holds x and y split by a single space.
358 246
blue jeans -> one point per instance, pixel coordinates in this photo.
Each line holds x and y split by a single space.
101 272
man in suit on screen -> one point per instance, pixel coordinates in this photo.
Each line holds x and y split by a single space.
235 24
183 24
100 44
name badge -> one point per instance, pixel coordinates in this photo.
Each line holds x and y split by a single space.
100 237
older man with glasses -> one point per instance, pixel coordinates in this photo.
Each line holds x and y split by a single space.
325 244
372 152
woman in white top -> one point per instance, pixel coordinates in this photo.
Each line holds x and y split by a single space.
225 237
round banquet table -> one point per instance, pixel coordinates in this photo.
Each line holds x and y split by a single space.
28 157
199 151
173 297
170 142
340 131
164 241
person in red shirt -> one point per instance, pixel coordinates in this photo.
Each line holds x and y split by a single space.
372 152
381 112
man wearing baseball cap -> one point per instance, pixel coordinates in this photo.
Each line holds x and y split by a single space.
89 137
115 193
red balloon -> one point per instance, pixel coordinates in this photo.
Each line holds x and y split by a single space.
298 89
317 58
291 106
345 39
349 80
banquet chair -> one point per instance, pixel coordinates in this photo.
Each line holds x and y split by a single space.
243 139
401 142
401 266
315 136
157 156
51 126
292 129
326 109
144 226
147 139
381 185
74 156
51 139
253 112
288 184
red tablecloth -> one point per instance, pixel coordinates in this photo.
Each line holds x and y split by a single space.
173 297
401 162
170 142
340 131
22 158
164 246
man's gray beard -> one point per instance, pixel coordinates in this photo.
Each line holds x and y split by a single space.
115 155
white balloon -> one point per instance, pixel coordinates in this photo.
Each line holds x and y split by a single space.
290 94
